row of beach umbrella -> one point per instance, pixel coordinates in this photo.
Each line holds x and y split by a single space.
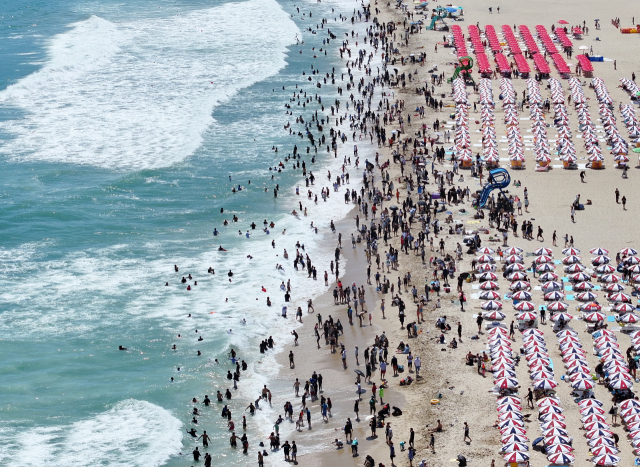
619 146
539 126
587 127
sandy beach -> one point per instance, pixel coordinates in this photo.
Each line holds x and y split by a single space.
463 394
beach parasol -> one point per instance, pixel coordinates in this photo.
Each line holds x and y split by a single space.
545 267
489 285
561 317
605 269
586 296
485 267
516 457
548 276
571 259
520 285
551 286
563 22
599 251
542 259
579 277
494 315
558 306
521 295
543 251
610 278
582 385
515 447
491 305
525 306
517 276
601 259
545 384
591 306
624 308
555 295
513 267
485 250
620 297
583 286
561 458
559 448
594 317
552 440
570 251
527 316
628 252
489 295
606 459
488 276
514 439
621 384
600 450
614 288
573 268
513 259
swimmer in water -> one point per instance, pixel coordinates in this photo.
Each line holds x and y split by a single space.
244 321
230 331
121 348
215 232
192 432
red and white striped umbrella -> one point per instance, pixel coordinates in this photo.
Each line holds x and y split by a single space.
579 277
600 450
620 297
571 259
551 286
513 259
494 315
548 276
543 259
635 269
521 295
491 305
614 288
573 268
594 317
488 276
552 440
562 317
629 318
525 306
504 374
527 316
513 267
586 296
591 306
520 285
555 295
606 459
610 278
513 250
514 431
602 259
489 295
545 267
558 306
558 448
517 276
516 457
514 439
489 285
597 426
561 458
605 269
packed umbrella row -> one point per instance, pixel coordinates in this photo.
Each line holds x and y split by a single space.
528 39
487 118
539 126
561 35
564 144
587 126
631 87
630 120
511 119
458 41
462 136
619 146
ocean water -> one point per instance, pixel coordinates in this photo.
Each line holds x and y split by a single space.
120 124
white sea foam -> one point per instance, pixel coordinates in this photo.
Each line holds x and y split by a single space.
132 434
138 95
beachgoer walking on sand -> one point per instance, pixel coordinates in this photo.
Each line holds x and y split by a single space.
617 196
554 238
624 203
466 432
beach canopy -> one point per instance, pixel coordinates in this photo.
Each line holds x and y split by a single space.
517 457
561 458
606 459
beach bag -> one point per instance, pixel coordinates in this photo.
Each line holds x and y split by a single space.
401 370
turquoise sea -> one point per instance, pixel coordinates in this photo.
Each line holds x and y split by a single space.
120 126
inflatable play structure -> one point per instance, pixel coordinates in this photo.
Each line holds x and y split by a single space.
440 14
498 179
465 67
